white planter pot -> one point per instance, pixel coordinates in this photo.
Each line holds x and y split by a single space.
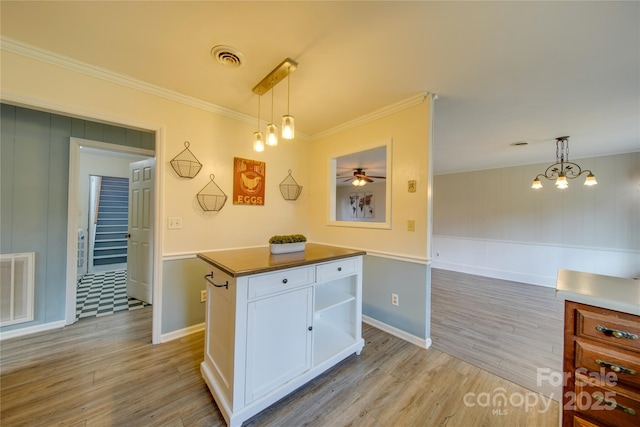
283 248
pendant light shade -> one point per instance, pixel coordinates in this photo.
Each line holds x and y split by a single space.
258 142
272 129
288 127
288 124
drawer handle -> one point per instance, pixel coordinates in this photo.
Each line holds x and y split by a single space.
615 368
615 333
614 405
284 281
339 268
210 275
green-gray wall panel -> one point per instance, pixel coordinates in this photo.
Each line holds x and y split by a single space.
182 281
7 148
384 276
34 156
57 217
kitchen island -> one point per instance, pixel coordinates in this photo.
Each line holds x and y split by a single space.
274 322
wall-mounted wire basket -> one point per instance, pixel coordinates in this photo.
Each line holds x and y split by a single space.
211 197
185 164
289 188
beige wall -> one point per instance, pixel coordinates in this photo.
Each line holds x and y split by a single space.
409 130
214 139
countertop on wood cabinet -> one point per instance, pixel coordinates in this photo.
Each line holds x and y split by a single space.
244 262
613 293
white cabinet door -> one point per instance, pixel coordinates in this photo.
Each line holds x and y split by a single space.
278 341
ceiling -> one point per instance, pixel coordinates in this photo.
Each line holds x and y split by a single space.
503 71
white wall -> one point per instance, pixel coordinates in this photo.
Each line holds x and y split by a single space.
492 223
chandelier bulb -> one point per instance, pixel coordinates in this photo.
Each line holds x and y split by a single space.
591 180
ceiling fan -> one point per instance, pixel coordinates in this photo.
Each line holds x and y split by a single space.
360 177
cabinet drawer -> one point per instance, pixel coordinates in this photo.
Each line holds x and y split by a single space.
611 408
331 270
620 366
618 330
581 422
278 281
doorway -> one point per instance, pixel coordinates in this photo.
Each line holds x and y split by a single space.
101 282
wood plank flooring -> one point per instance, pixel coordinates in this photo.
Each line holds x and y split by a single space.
511 329
105 372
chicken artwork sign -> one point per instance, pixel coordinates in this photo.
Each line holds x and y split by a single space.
248 181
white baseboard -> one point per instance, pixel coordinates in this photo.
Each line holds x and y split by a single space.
170 336
32 330
420 342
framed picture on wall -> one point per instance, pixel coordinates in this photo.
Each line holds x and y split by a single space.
362 205
248 181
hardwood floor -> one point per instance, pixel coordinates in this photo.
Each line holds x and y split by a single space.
105 372
511 329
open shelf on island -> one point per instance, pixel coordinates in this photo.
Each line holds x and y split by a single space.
330 339
328 300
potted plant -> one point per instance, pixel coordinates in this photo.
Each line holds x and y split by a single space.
287 243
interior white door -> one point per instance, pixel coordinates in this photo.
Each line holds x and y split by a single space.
140 235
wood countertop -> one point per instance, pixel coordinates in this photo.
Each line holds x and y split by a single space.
614 293
244 262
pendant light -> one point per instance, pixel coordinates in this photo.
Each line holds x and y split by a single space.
284 69
258 144
288 127
272 129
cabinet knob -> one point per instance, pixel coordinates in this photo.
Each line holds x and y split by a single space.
284 281
339 268
311 328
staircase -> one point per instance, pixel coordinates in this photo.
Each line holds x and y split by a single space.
110 243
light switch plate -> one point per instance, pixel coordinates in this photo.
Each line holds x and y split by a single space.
174 223
412 186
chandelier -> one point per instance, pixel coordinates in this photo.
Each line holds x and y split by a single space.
563 169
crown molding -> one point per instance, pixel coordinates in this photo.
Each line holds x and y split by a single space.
375 115
29 51
20 48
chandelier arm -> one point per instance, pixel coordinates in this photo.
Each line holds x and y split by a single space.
570 173
552 171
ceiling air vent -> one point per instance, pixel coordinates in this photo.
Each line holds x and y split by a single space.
227 56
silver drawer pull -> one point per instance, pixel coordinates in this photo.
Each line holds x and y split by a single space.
616 333
614 405
615 368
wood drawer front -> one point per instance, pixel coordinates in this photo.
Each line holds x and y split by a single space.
599 326
624 412
278 281
331 270
620 366
581 422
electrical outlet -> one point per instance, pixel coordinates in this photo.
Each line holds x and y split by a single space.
411 225
394 299
174 223
203 295
412 186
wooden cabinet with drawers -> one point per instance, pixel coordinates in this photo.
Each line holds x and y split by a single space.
601 366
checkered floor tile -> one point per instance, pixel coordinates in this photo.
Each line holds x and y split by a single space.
101 294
